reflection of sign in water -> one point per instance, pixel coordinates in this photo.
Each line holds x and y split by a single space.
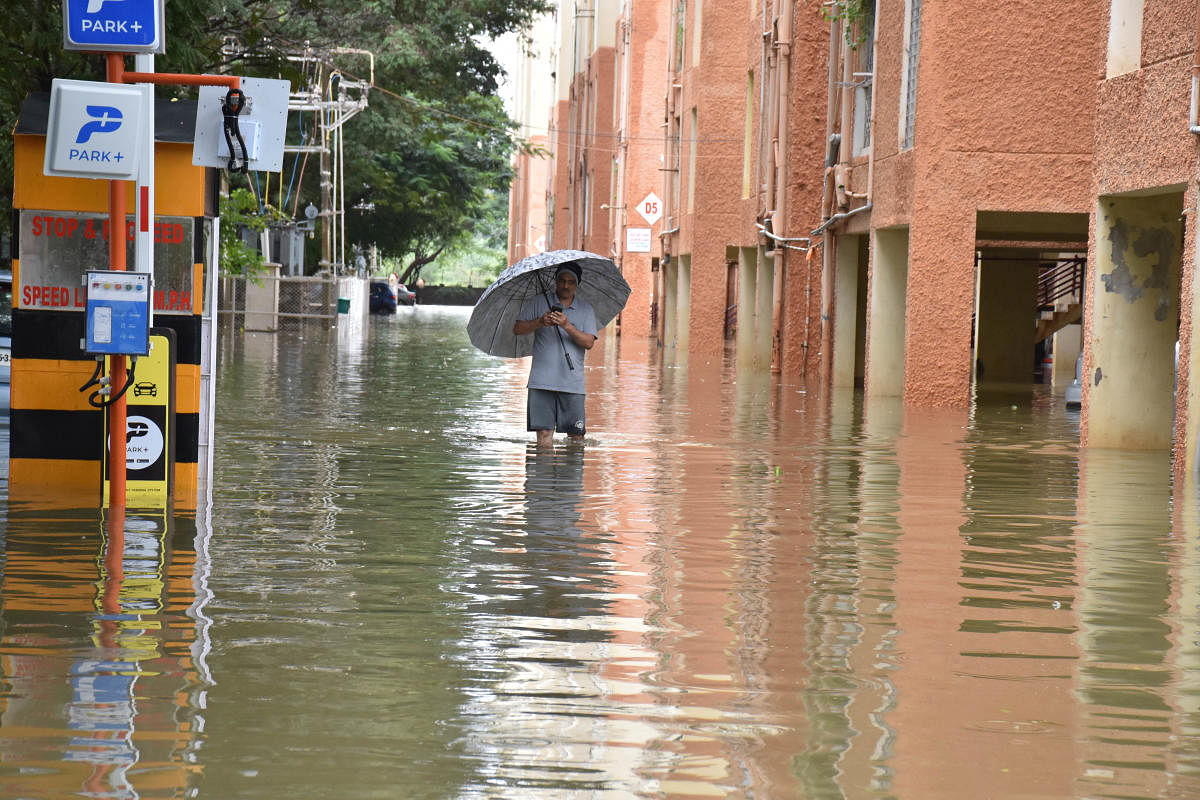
143 442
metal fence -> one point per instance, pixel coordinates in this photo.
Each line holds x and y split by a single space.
270 301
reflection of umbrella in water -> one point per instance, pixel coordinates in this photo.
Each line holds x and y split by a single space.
491 323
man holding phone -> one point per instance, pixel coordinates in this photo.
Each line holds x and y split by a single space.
563 332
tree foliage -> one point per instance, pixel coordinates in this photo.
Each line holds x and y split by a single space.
427 156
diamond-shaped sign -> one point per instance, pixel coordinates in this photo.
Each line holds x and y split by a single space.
650 208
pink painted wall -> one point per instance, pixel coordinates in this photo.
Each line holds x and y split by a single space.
715 88
645 31
558 199
801 339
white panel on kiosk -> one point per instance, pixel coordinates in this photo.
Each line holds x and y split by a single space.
94 130
263 122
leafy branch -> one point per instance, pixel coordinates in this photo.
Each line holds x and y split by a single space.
859 16
240 214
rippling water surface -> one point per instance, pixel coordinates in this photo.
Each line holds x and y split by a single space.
736 589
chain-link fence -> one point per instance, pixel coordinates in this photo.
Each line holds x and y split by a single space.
268 302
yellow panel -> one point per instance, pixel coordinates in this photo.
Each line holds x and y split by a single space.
155 369
178 185
51 384
187 388
53 479
187 481
198 284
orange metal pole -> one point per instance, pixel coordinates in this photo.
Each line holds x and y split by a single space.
116 260
171 79
116 257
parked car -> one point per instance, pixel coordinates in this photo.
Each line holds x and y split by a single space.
6 290
382 300
405 296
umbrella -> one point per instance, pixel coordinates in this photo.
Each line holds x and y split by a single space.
491 323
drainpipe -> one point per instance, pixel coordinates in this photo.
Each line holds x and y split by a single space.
783 40
828 251
1194 116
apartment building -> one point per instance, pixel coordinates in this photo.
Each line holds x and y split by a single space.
918 200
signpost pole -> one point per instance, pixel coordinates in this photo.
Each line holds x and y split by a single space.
116 260
144 228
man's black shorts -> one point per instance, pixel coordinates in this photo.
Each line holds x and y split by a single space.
556 411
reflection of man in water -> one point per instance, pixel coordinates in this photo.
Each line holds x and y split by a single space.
562 335
553 490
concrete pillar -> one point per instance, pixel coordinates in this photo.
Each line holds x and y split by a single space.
670 303
1129 378
845 311
1006 318
885 326
683 304
763 305
747 291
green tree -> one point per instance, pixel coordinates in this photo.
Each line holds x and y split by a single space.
431 146
428 175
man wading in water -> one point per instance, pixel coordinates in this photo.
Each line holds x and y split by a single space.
562 335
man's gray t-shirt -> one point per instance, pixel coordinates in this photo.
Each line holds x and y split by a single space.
549 369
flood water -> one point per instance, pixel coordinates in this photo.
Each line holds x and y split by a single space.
735 589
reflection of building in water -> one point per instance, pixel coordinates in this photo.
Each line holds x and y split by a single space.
727 559
1134 725
103 657
984 645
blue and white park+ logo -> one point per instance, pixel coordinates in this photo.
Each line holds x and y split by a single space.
105 119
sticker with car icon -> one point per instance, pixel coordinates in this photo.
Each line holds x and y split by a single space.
145 389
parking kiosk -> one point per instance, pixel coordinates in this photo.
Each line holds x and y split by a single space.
57 437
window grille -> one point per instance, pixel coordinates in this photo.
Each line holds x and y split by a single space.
912 56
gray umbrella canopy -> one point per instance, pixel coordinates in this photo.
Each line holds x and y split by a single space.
491 324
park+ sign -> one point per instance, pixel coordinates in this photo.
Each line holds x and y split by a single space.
95 129
121 26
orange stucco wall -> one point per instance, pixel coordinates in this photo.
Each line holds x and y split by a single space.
999 127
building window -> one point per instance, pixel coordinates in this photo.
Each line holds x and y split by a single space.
1124 37
748 138
693 139
908 88
864 80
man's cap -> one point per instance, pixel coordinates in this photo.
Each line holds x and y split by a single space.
572 267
